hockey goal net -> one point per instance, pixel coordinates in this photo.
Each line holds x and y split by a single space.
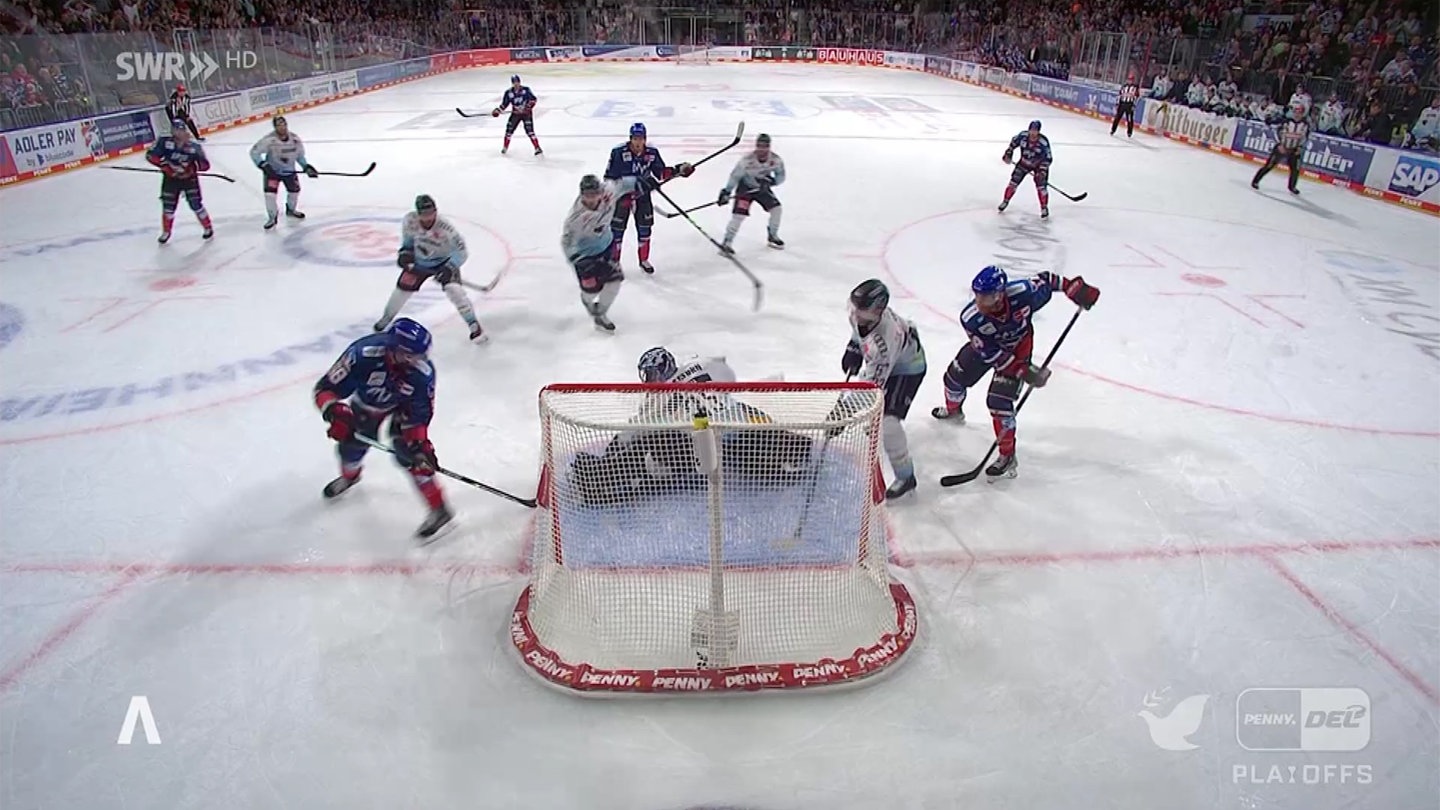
692 54
710 537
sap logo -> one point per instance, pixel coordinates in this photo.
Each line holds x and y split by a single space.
1414 176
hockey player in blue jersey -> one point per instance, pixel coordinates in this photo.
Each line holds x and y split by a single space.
1034 157
378 377
1002 337
635 158
181 160
521 103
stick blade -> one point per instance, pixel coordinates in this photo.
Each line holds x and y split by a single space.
759 296
1082 195
368 170
962 478
740 132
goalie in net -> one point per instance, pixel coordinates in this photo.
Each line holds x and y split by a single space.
640 463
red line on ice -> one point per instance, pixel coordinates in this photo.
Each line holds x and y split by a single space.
67 629
1352 629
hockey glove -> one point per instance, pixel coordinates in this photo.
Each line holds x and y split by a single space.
685 169
421 455
1009 156
646 183
342 422
1075 289
853 359
1035 376
406 260
495 113
723 197
311 171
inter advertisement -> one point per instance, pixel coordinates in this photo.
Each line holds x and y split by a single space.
1348 160
1058 91
124 131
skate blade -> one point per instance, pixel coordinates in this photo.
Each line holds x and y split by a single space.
444 531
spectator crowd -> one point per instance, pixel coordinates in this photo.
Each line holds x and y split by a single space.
1363 69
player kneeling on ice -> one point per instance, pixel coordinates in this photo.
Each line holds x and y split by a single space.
430 247
588 239
379 377
1034 157
752 181
1002 337
276 155
181 160
643 463
885 350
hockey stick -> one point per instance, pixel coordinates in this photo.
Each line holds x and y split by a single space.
484 288
526 502
967 477
794 539
739 133
464 114
755 281
158 171
673 214
1082 196
365 173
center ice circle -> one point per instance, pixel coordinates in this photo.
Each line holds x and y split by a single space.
1227 316
149 331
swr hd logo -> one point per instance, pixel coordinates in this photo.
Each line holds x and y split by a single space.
1327 719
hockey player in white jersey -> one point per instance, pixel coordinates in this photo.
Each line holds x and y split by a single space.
430 247
885 350
587 239
752 181
281 156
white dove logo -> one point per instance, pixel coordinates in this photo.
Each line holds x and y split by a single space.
1170 732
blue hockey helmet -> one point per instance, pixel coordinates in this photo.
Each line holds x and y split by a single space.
1035 125
992 279
409 336
637 130
656 365
178 126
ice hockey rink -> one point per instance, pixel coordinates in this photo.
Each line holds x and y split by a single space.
1232 481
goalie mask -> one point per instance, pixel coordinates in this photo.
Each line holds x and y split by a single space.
657 365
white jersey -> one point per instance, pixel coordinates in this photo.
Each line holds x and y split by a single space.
749 170
703 370
1428 124
434 247
279 155
1332 115
891 349
587 230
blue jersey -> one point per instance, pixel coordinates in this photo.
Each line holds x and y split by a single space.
625 163
996 339
364 375
184 161
1032 155
519 101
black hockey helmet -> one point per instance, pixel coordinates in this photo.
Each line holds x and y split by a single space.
589 183
762 140
871 294
424 203
278 120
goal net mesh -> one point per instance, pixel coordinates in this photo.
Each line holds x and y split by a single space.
744 551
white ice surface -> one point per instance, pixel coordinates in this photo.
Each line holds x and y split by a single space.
1217 492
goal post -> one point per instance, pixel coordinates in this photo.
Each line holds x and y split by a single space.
692 54
710 538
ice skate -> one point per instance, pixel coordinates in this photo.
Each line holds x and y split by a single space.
955 415
1044 212
539 151
1004 467
1295 191
477 335
270 222
1255 184
164 237
647 267
900 488
209 232
1003 205
291 212
727 249
602 323
775 242
435 522
504 150
338 487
